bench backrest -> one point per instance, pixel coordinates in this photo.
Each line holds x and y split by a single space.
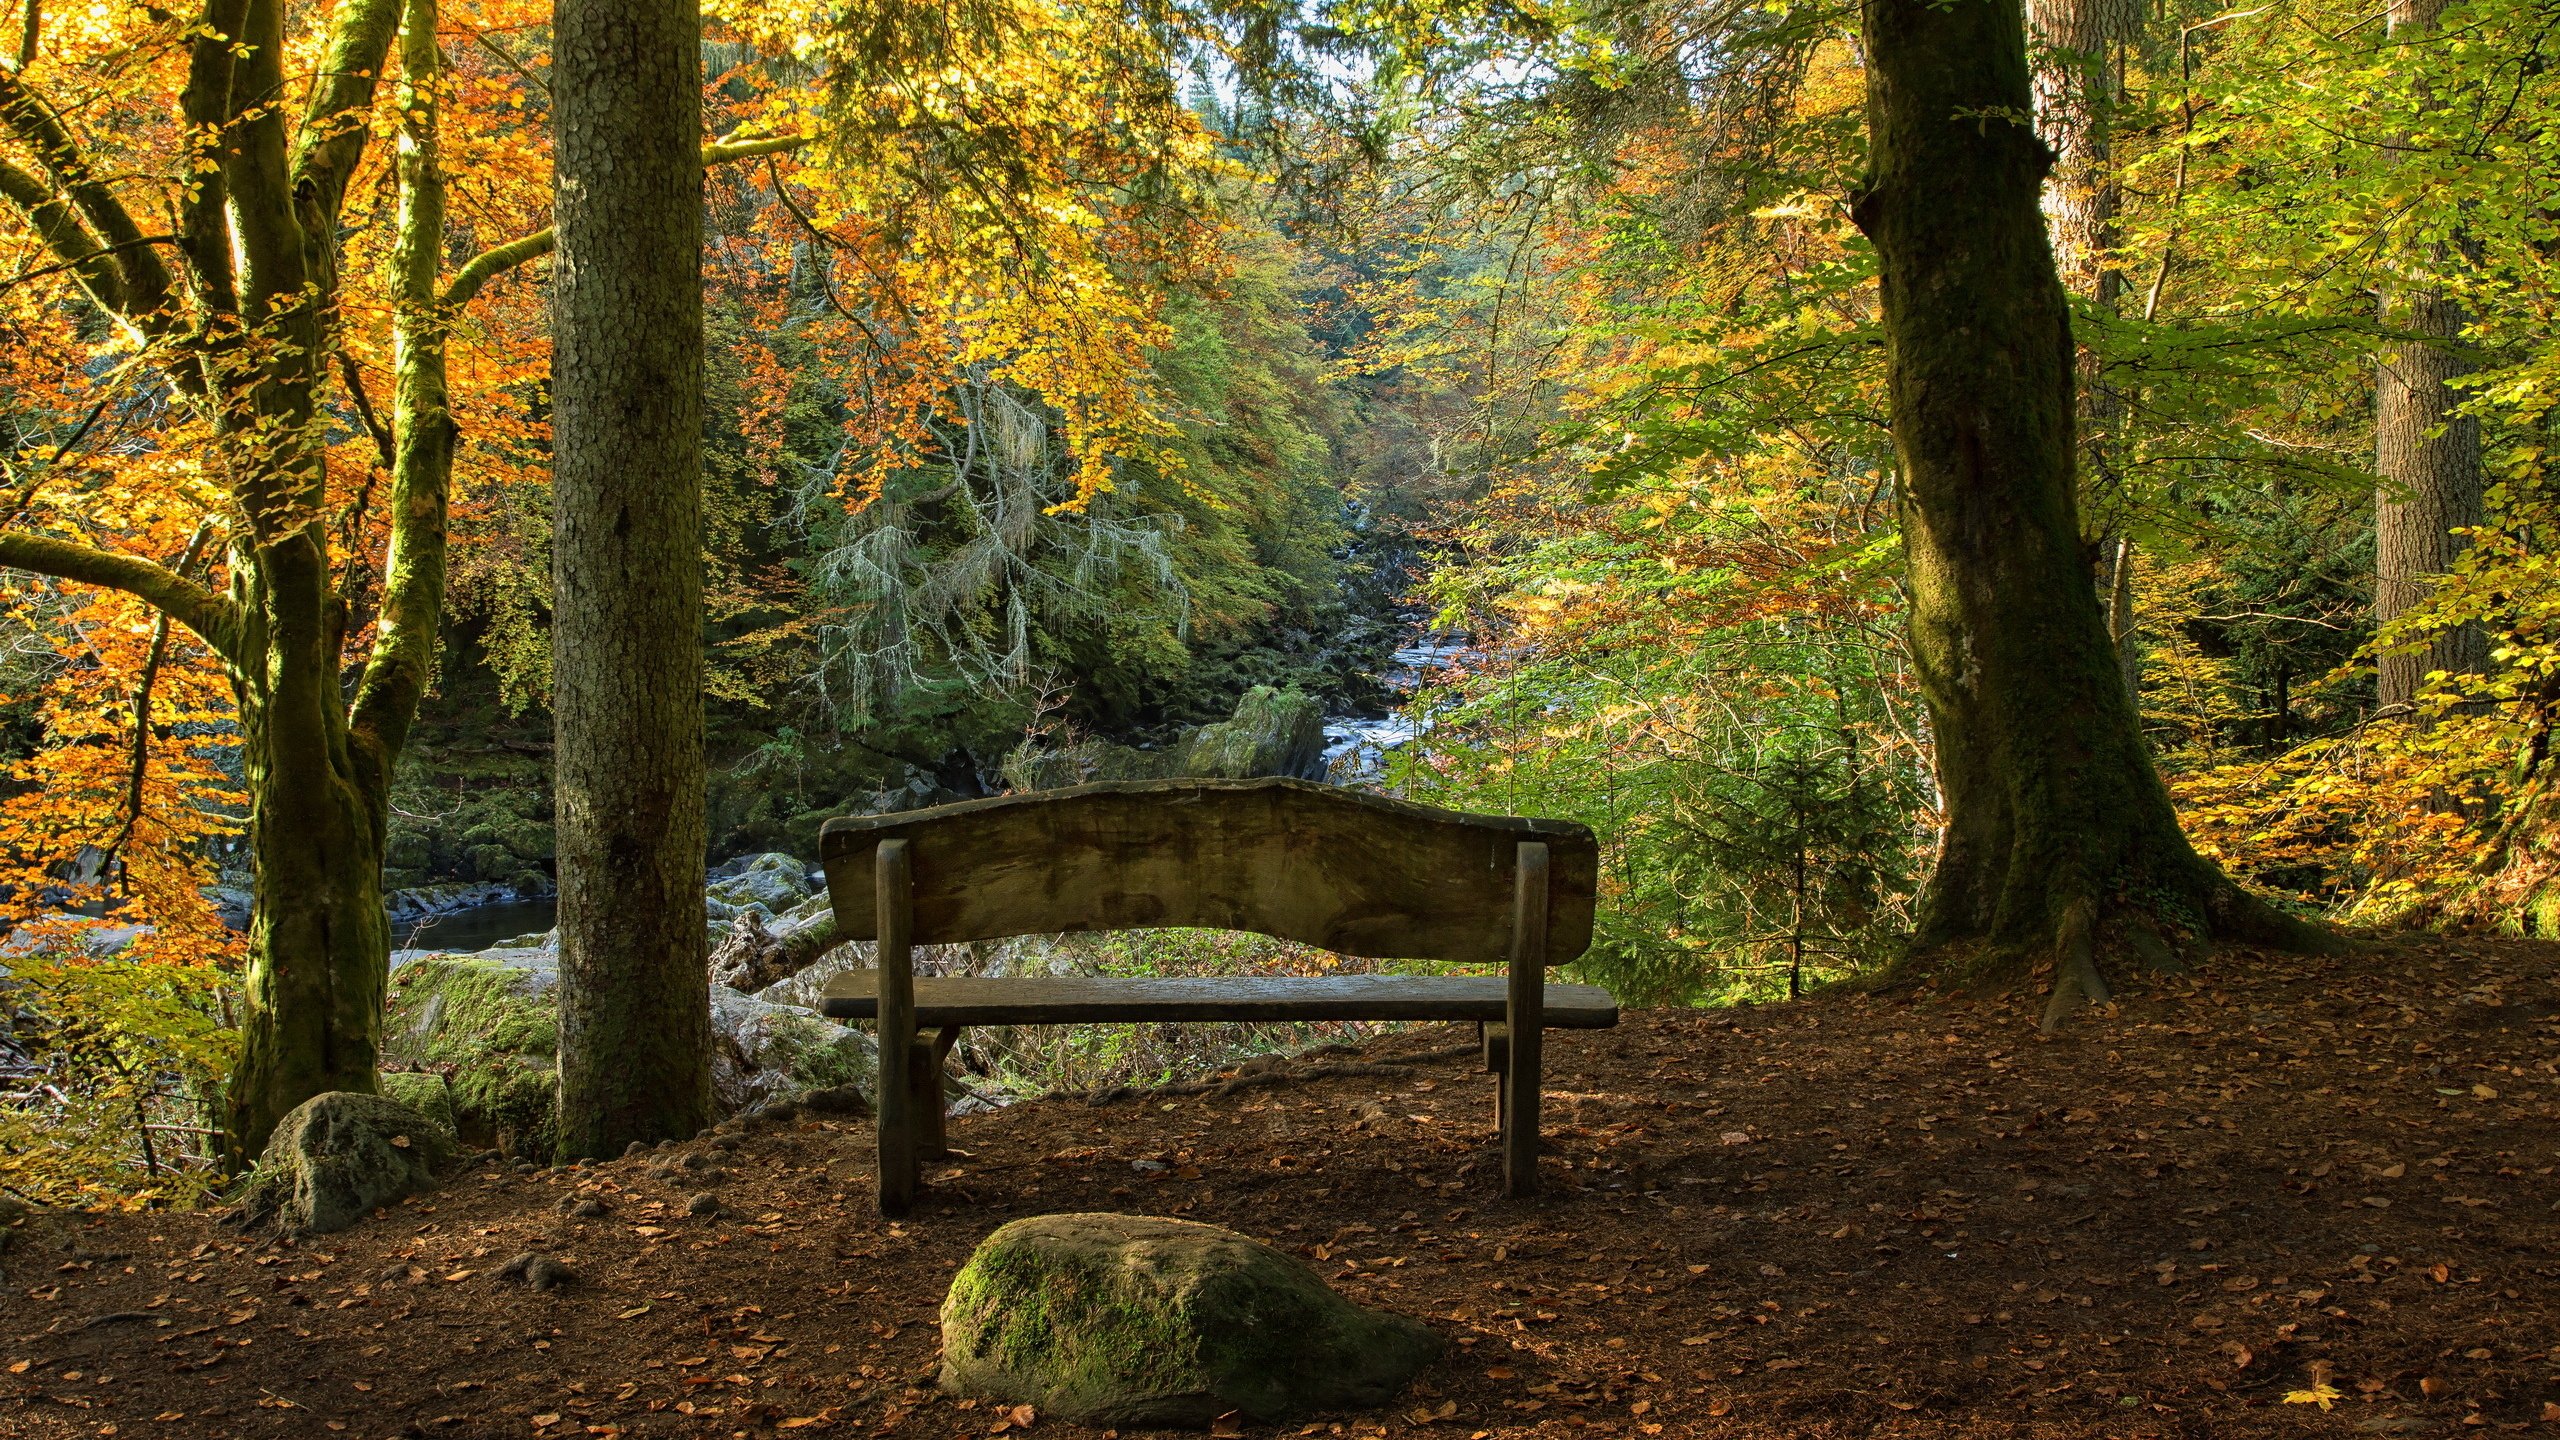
1355 873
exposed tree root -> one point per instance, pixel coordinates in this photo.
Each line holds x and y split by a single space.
2076 980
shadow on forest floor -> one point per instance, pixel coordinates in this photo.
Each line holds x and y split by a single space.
1840 1217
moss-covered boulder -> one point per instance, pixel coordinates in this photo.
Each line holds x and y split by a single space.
1131 1320
491 1031
1273 732
335 1157
765 1051
768 884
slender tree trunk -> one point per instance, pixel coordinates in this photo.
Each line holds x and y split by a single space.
2075 53
2060 838
2427 456
2076 48
627 572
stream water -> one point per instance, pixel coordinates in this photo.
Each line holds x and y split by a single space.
478 928
1355 747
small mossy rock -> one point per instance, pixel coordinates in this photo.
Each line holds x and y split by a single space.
1132 1320
334 1157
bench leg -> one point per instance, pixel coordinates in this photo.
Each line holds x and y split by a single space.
1524 1023
1497 1061
897 1123
892 879
1521 1078
924 1089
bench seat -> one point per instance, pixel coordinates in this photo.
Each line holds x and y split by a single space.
1084 1000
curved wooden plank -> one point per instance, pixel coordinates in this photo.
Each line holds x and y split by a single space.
1355 873
1095 1000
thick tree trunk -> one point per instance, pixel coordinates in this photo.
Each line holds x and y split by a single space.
627 572
319 941
2428 458
2060 838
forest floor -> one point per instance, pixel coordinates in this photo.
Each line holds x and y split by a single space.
1840 1217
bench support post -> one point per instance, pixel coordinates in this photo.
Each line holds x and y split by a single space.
924 1077
893 882
1524 1023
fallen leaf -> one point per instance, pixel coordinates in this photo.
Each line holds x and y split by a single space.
2323 1395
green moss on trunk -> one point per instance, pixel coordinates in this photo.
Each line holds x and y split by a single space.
2060 836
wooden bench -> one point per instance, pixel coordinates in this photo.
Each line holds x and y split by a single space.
1357 874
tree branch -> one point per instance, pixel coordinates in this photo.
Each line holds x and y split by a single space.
207 106
213 618
59 227
491 263
403 662
140 770
722 151
146 280
333 123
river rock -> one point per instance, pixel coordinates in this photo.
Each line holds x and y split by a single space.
1273 732
1128 1320
764 1051
766 884
337 1156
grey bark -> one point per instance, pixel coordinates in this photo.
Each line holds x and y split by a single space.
2075 53
627 571
2427 456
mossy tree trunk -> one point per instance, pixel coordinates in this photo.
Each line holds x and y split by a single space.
2060 839
248 321
635 1023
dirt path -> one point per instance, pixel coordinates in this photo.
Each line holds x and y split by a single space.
1842 1217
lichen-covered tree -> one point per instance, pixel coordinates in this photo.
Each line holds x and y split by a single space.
635 1027
237 310
2060 840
